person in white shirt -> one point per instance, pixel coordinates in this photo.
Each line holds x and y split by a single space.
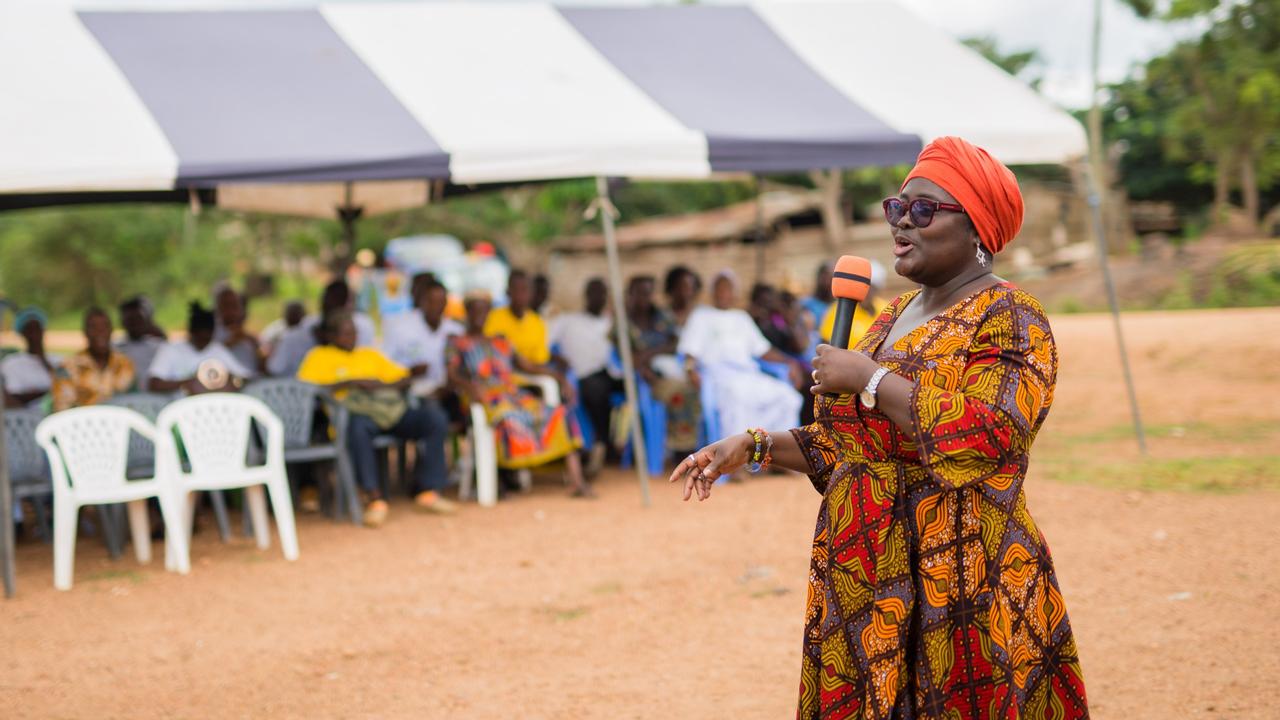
27 376
582 339
417 339
174 368
726 343
143 339
297 341
294 313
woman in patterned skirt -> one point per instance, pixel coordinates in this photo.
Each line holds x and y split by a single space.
931 590
529 433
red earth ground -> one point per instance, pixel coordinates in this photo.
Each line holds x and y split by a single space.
546 607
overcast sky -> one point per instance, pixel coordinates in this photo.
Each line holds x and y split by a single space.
1058 29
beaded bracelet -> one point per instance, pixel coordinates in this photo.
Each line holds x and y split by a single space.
762 456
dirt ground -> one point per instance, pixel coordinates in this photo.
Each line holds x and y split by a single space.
546 607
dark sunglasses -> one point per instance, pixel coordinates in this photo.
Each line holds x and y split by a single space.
922 210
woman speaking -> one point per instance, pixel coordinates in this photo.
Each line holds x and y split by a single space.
931 590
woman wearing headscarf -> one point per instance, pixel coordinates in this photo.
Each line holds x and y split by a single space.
931 589
529 432
28 376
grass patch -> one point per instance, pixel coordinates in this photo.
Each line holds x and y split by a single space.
132 576
565 614
1244 433
609 588
1198 474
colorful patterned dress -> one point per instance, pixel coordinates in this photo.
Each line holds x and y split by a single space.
931 590
529 433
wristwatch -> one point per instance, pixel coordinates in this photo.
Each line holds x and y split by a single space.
868 394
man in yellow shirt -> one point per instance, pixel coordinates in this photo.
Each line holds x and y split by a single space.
372 388
519 323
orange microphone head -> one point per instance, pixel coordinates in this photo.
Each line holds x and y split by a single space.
852 278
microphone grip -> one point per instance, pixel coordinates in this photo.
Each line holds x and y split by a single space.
843 327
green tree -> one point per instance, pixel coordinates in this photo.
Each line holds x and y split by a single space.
1025 64
1221 96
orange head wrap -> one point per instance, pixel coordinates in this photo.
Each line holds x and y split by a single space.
982 184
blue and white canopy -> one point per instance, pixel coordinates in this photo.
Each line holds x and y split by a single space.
491 92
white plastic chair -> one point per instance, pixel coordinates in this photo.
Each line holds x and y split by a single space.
88 451
215 433
484 446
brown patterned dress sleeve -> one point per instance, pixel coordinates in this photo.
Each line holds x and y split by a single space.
819 448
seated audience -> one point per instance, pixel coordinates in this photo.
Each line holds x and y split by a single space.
653 344
682 288
769 313
726 344
296 342
175 366
229 307
530 433
143 338
417 339
519 323
95 373
583 341
294 313
27 376
541 302
372 388
817 304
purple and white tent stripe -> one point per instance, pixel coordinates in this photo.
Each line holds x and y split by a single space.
492 92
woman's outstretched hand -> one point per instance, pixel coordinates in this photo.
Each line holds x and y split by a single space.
699 471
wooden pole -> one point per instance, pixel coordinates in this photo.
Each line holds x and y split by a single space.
1097 184
605 208
6 511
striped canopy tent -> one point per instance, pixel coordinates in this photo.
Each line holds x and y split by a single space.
377 106
155 101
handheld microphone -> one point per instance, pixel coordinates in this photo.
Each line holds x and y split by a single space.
849 285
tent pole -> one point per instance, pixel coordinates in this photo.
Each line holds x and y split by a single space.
760 258
624 337
6 511
1100 234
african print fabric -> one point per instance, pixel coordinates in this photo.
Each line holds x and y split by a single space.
82 381
528 432
931 591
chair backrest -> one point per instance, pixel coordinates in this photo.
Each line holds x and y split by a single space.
88 447
26 461
293 401
142 452
215 433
